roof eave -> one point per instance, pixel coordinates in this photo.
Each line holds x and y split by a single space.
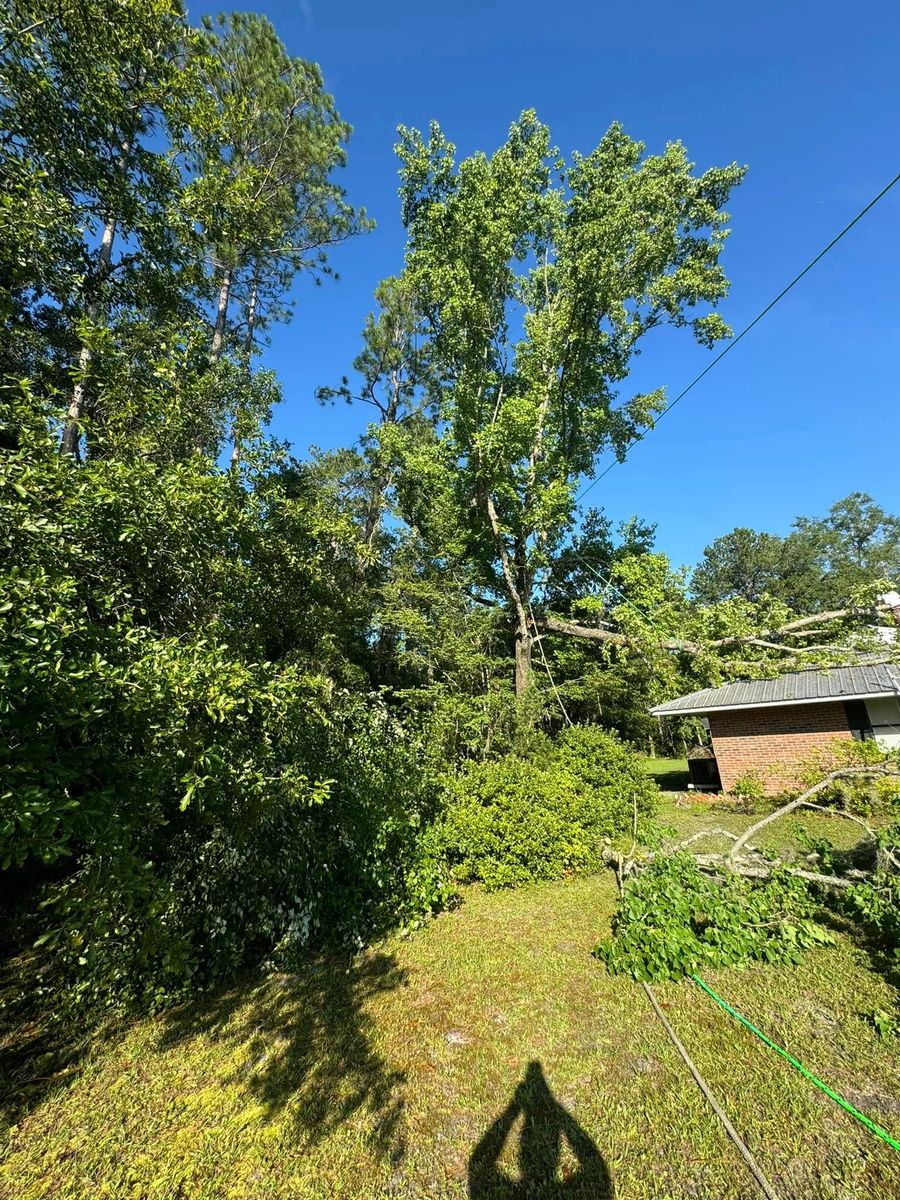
663 711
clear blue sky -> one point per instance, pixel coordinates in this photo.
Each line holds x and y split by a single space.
806 409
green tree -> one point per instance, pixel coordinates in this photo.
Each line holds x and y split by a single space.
93 94
396 378
264 154
742 564
857 545
539 279
823 563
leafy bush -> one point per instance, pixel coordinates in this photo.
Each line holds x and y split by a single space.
749 787
875 906
185 803
294 825
673 920
612 773
514 820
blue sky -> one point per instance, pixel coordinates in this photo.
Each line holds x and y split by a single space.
806 409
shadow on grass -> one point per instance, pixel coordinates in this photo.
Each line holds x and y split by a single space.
305 1047
543 1175
41 1051
671 781
883 960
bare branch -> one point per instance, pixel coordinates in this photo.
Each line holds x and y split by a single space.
704 833
875 771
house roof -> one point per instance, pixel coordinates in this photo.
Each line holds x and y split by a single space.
862 681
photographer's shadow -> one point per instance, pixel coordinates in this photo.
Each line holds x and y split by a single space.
542 1173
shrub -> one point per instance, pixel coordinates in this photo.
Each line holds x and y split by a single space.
315 836
185 800
867 796
612 773
749 787
513 821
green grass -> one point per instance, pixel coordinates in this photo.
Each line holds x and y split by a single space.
379 1077
671 774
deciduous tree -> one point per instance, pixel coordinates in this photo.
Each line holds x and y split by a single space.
540 278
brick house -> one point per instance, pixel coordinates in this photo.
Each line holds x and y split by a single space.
771 726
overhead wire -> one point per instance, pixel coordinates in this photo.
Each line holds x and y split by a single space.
734 341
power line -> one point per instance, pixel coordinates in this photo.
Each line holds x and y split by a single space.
759 316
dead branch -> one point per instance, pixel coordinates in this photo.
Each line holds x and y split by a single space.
704 833
723 866
756 867
802 801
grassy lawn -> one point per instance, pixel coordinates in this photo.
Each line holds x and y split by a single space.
671 774
410 1071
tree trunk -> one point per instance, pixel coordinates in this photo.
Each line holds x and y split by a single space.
524 645
375 507
248 352
218 338
71 434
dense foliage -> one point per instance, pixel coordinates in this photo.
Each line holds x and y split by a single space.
200 801
674 920
516 820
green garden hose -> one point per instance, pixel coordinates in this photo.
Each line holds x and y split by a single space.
845 1104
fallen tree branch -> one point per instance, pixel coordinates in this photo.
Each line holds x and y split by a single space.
704 833
723 865
802 801
763 638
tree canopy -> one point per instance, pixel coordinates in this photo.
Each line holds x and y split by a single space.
539 278
822 564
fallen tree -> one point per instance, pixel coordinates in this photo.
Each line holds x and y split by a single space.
682 911
782 639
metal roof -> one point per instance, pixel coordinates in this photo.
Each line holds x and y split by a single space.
812 686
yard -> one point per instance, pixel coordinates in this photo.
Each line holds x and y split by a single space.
671 774
431 1064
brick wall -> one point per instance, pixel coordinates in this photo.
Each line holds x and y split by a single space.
774 741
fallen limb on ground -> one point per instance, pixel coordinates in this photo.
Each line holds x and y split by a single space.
744 859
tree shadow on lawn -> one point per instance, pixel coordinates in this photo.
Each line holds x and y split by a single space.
542 1173
307 1047
41 1048
882 959
39 1052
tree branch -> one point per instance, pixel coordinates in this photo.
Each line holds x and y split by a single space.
875 771
762 639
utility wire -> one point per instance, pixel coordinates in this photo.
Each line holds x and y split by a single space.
761 1181
734 341
540 643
